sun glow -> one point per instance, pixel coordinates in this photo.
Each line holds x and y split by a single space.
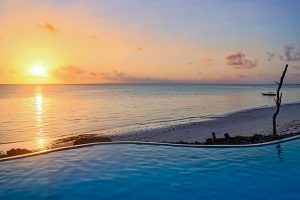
38 71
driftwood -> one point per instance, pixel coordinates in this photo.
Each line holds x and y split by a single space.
278 99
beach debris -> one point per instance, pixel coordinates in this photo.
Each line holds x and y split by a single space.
91 140
2 154
278 99
209 141
18 151
78 139
213 137
255 139
227 137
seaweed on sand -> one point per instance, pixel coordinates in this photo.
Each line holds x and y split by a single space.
91 140
79 139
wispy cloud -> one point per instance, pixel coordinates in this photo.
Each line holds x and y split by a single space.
48 27
291 53
239 61
73 74
123 77
68 72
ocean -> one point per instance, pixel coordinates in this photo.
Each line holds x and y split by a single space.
38 112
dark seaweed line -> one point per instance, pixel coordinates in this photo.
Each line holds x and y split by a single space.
151 143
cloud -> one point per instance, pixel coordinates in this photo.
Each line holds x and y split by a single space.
93 74
291 54
207 62
239 61
73 74
270 55
122 77
48 27
288 49
68 72
235 59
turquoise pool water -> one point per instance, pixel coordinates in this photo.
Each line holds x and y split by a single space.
155 172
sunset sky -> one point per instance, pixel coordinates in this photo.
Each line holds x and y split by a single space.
149 41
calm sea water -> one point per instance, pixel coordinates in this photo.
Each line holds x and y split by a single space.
155 172
32 112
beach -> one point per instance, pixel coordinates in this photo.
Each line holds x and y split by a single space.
35 117
242 123
143 100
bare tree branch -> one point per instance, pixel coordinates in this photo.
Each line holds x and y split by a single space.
278 99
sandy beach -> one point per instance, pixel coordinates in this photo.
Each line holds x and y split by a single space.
243 123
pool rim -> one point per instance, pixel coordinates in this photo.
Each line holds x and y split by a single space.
149 143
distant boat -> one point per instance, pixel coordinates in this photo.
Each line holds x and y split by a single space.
268 94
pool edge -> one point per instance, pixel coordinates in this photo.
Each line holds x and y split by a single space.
149 143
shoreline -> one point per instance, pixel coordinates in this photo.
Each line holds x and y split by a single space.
279 141
245 123
241 123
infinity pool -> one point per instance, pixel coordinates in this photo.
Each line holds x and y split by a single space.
155 172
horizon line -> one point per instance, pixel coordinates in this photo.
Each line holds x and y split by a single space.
158 83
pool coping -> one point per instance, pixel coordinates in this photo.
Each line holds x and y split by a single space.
150 143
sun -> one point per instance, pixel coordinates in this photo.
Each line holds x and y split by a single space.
38 71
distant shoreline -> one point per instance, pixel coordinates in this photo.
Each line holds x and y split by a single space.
162 83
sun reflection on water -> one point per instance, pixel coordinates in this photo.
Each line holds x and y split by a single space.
39 109
39 118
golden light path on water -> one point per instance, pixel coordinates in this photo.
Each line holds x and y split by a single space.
39 118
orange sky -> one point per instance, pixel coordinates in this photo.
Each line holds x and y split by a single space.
74 45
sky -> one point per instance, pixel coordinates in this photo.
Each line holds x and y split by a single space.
149 41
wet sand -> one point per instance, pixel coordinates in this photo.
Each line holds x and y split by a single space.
243 123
